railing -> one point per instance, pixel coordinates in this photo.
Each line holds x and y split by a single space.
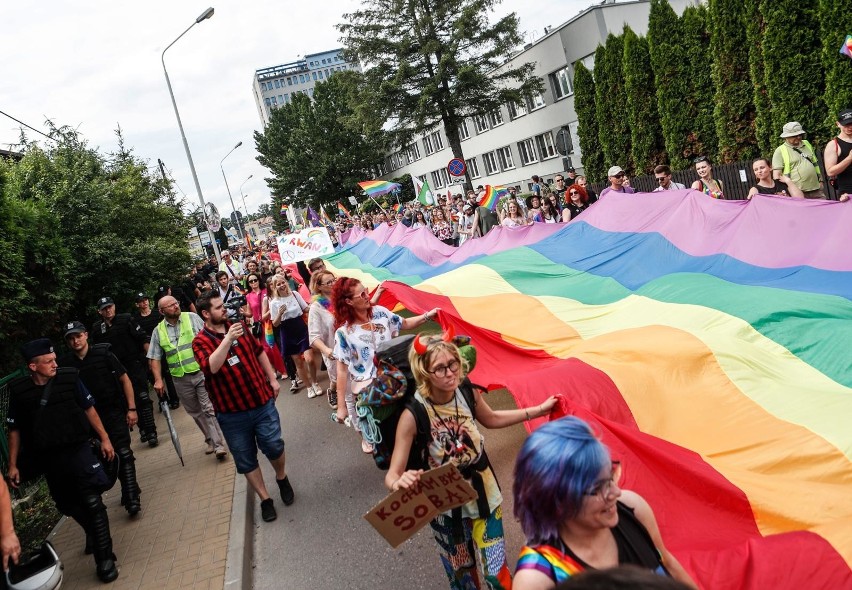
737 178
24 490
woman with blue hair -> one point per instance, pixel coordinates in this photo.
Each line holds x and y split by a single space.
575 516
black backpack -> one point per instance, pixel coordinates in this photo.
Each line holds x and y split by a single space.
395 352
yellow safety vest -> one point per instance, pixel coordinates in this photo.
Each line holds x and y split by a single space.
785 155
179 358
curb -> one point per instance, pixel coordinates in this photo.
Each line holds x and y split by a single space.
238 563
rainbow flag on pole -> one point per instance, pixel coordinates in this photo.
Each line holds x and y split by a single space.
284 208
341 210
374 188
326 220
846 48
491 195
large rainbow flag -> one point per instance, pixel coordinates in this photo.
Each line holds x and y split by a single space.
374 188
707 341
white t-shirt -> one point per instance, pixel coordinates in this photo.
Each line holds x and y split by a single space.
355 347
294 304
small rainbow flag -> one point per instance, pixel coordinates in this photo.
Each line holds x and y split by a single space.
374 188
846 48
343 210
396 208
326 220
491 195
284 208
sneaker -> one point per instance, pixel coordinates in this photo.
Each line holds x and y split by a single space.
314 391
331 394
347 422
267 510
299 382
287 494
294 387
221 454
366 447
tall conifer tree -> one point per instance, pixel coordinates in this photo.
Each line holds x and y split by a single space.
702 138
734 95
587 123
646 136
611 102
835 24
764 129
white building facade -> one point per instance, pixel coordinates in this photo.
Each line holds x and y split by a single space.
507 147
275 86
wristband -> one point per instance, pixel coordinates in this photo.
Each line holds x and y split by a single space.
527 412
131 409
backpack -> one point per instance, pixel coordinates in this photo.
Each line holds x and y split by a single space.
379 423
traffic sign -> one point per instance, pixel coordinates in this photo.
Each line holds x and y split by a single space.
214 220
563 141
456 167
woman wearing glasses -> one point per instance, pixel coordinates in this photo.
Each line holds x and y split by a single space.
706 183
256 300
576 202
285 308
574 514
470 539
321 328
361 327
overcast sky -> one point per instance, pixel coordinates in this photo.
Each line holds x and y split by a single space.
95 65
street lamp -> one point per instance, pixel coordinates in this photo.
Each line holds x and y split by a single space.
241 230
241 192
204 16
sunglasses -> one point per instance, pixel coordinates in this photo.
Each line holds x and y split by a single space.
619 175
574 193
253 281
661 178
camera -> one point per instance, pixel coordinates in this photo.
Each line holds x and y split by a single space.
235 303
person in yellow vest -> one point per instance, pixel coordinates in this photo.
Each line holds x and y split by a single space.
797 159
171 340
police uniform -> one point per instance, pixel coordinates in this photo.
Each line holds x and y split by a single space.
127 340
100 372
55 441
148 323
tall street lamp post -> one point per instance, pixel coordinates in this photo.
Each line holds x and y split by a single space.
204 16
240 226
241 192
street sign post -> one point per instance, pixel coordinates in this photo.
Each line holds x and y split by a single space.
456 167
214 220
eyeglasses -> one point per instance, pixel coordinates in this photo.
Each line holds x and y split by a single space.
661 178
365 294
441 370
175 304
602 489
329 283
253 281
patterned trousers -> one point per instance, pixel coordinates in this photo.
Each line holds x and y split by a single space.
475 557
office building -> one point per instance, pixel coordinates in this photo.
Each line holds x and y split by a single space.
508 146
276 85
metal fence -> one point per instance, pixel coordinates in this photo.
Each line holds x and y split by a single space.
25 490
737 178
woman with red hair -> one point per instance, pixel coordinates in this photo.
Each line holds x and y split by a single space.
361 327
576 201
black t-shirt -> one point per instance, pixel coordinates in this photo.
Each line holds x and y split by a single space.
149 322
779 188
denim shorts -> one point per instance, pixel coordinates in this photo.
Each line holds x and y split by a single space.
249 430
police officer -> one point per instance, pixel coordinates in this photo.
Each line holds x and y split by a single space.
107 381
129 342
148 320
50 422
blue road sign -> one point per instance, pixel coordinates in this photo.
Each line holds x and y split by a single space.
456 167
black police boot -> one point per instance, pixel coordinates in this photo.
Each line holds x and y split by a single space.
130 492
146 418
101 539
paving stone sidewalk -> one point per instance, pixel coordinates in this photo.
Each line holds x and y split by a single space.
180 540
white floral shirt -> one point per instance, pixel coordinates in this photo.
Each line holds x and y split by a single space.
355 345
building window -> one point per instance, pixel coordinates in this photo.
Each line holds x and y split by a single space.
495 118
560 81
526 149
263 86
437 141
490 163
274 100
289 81
516 109
280 99
413 153
504 155
544 142
472 168
320 74
315 75
267 101
427 145
286 98
440 178
277 84
536 102
480 122
463 131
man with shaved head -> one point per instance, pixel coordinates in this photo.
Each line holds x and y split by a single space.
172 341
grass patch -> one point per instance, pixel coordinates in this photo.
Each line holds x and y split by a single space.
35 517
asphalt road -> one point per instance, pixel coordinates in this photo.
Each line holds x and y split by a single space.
322 541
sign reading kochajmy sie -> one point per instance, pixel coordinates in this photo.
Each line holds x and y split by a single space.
405 512
304 245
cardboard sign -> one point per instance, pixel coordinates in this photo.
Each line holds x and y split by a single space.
304 245
405 512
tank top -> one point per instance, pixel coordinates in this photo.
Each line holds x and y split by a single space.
635 547
779 188
844 179
711 193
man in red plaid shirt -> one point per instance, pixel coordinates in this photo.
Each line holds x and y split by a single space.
243 388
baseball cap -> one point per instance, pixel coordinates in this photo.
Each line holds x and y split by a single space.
162 289
141 297
845 117
74 327
35 348
570 169
614 170
105 302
